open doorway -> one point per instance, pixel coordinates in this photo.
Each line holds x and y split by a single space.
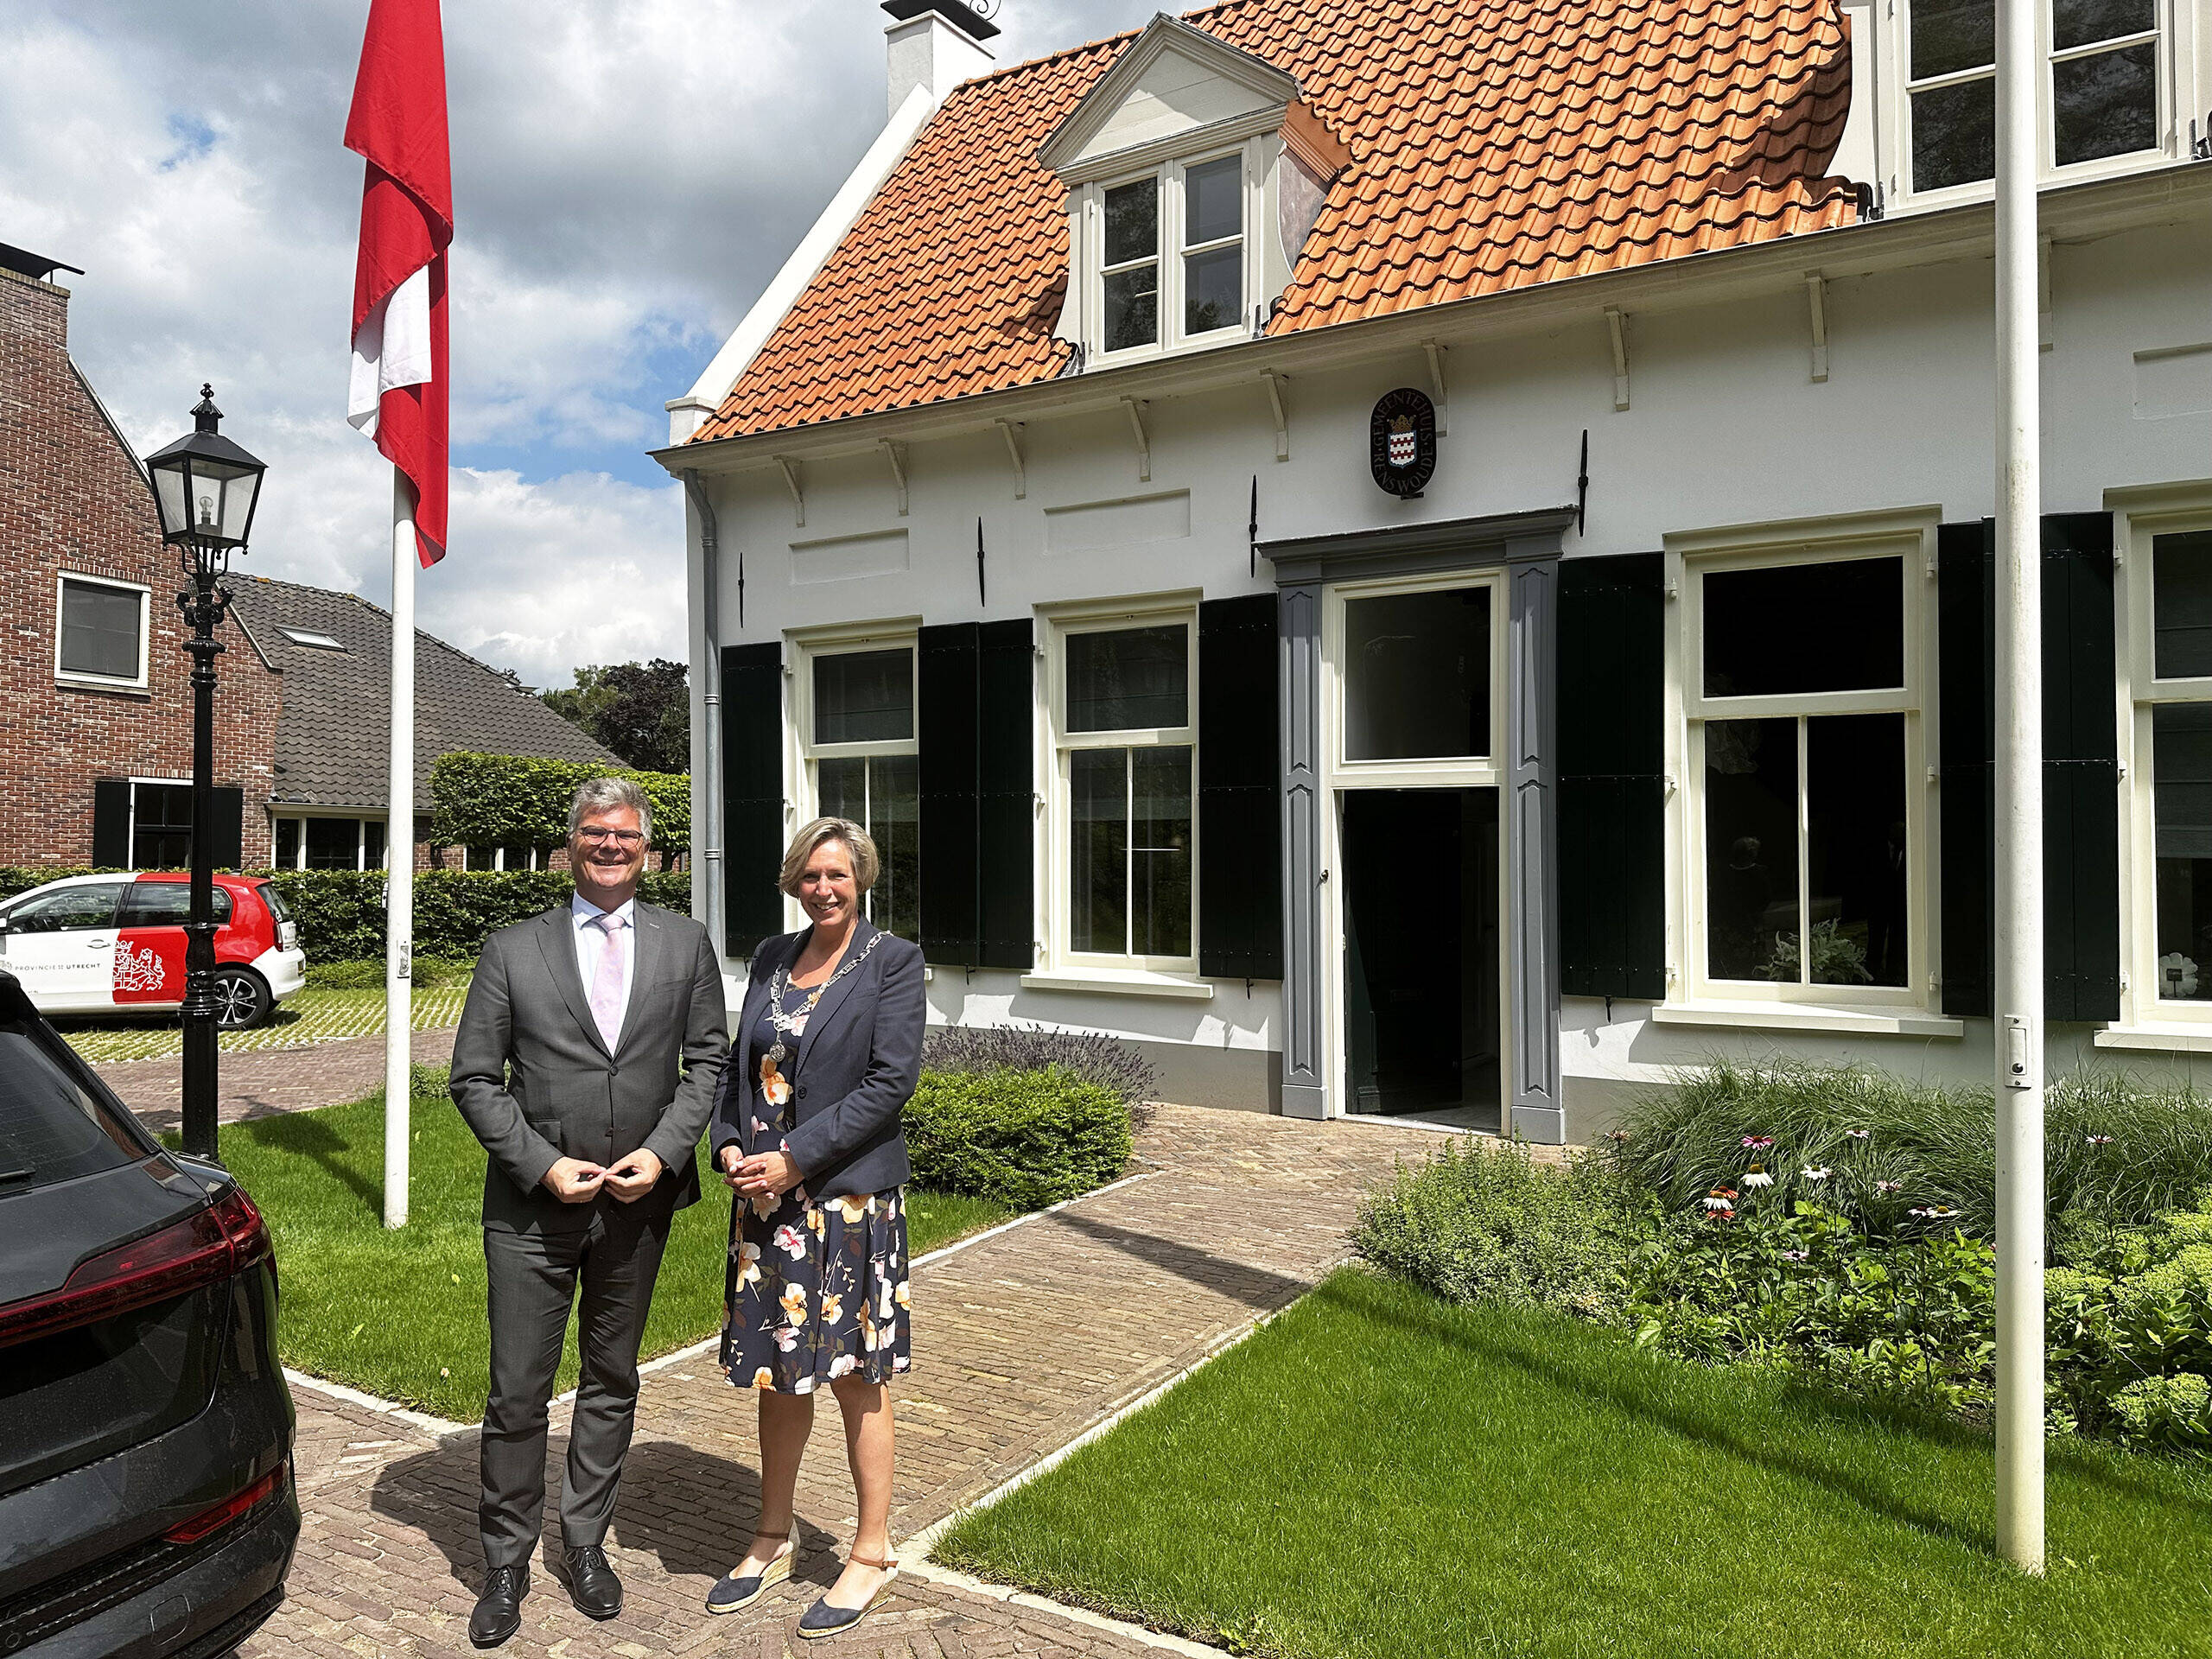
1422 953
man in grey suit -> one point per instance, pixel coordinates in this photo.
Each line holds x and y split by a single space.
586 1063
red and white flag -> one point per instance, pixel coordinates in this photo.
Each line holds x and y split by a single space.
399 125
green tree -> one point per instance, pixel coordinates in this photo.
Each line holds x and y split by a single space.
640 710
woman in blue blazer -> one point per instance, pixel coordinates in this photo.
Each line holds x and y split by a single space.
824 1059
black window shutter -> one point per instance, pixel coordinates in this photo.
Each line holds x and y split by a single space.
112 823
1612 885
1966 611
226 827
948 734
1005 793
752 793
1240 789
2081 771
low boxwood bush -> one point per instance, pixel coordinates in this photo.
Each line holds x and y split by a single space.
1106 1061
1024 1138
1476 1225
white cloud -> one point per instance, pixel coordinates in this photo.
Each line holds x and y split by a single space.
627 175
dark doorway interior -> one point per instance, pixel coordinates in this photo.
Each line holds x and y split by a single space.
1420 868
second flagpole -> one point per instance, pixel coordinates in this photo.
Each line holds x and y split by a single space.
399 861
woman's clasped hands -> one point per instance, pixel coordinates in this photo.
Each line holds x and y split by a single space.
772 1174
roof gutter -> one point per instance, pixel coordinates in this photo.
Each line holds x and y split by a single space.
708 767
2098 207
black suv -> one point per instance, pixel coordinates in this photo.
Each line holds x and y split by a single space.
146 1501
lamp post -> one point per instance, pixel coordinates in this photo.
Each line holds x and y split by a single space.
204 487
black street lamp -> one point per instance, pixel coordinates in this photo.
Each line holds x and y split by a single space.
204 487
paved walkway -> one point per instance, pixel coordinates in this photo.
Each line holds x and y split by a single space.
272 1081
1020 1342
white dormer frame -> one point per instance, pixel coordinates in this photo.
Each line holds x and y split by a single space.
2183 86
1140 123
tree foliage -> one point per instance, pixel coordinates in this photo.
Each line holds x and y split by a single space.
640 710
508 800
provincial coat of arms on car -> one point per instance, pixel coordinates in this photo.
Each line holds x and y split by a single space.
139 970
1402 440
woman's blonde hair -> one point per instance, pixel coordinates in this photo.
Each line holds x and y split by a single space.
858 842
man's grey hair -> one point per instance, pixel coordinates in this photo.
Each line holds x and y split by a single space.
601 793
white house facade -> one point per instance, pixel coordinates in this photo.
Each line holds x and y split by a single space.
1419 571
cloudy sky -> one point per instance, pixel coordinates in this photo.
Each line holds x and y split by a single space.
627 175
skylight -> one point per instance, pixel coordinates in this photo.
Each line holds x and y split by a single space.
309 637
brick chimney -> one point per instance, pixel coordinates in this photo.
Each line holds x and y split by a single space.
935 45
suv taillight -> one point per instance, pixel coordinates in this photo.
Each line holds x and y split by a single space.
211 1244
222 1513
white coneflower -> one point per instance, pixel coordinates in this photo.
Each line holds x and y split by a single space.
1721 1200
1821 1173
2101 1140
1757 1176
1859 1134
1934 1212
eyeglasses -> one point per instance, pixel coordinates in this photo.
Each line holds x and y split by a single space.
622 838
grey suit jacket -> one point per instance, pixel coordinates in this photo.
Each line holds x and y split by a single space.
536 1081
858 1061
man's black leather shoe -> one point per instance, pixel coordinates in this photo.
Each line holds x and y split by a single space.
499 1609
592 1583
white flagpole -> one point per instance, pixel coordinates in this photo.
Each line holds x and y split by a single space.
2019 805
399 860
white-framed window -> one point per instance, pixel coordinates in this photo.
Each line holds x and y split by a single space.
2105 94
1174 264
856 691
1123 694
2165 662
504 858
321 842
100 632
1801 673
1416 681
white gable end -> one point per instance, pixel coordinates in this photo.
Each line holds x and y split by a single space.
1175 94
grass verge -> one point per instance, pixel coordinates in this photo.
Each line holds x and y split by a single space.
315 1014
1376 1474
401 1315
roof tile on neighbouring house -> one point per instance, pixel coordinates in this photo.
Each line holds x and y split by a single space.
1495 145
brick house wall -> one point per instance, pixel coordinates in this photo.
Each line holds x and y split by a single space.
73 501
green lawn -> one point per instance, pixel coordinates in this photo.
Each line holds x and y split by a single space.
315 1014
1378 1474
402 1314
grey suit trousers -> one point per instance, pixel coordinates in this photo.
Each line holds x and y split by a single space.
533 1281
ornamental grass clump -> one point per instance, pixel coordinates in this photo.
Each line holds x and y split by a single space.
1474 1225
1024 1138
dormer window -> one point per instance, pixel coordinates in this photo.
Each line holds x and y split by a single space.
2099 95
1194 173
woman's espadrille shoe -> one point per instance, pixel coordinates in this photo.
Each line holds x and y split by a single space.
822 1620
733 1594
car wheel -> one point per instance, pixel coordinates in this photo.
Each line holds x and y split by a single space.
242 998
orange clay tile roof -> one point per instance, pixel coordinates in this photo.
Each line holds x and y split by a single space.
1495 145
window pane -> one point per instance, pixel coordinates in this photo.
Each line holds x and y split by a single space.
1213 289
483 858
1098 872
90 906
2106 104
100 631
2181 759
1834 627
864 696
1750 849
158 904
288 843
894 818
1132 222
161 831
1954 135
1160 865
841 788
1213 202
1950 35
2077 22
2181 595
373 833
331 843
1855 856
1128 679
1133 307
1417 676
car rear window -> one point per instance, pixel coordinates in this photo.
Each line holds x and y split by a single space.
52 1128
167 904
274 900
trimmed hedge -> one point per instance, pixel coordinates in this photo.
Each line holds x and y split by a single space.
340 913
511 800
1022 1138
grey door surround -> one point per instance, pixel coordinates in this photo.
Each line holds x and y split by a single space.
1528 546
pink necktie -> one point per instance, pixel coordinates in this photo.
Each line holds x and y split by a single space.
606 984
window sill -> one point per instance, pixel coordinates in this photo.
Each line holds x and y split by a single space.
1120 982
1809 1017
2177 1038
114 688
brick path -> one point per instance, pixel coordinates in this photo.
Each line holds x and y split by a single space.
1020 1342
273 1080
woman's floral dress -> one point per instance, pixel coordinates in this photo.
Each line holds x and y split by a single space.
816 1290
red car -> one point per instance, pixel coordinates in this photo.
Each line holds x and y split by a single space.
95 943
